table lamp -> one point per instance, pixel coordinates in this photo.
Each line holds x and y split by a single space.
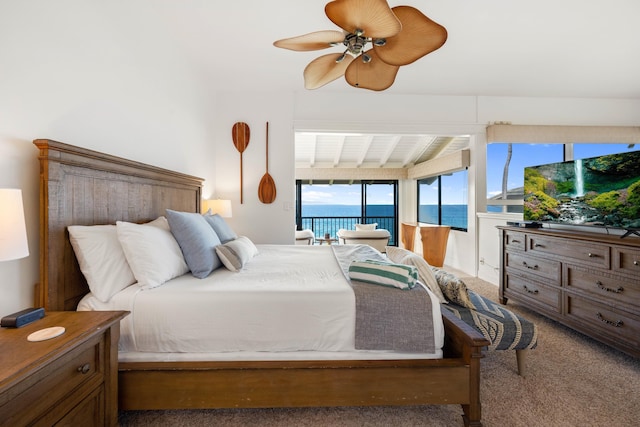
13 232
217 206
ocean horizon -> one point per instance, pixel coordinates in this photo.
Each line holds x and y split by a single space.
346 216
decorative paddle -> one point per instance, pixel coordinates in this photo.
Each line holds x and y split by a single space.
240 134
267 187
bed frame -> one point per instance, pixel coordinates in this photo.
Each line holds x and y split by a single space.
85 187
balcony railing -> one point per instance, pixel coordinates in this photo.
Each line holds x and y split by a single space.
320 225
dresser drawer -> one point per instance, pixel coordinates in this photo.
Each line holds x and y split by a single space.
514 240
587 253
609 287
544 268
47 387
89 411
627 261
545 296
599 319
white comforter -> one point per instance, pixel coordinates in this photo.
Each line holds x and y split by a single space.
286 299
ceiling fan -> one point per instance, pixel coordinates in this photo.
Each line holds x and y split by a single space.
398 36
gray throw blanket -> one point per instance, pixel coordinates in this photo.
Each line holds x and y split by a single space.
388 318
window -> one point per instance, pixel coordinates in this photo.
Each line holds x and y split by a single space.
442 200
326 207
505 171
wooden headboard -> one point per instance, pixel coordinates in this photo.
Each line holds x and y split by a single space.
85 187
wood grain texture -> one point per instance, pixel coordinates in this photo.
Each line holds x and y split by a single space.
68 380
587 281
138 192
84 187
240 134
267 186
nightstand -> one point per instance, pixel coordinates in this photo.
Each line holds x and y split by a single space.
71 379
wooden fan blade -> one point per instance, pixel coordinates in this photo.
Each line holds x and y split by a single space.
374 17
325 69
374 75
312 41
419 36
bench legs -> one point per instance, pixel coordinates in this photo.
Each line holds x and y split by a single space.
521 358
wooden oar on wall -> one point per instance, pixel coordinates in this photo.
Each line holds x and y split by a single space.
267 187
240 133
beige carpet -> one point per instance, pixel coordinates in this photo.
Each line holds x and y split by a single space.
572 381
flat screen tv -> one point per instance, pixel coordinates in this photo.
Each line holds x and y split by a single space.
599 191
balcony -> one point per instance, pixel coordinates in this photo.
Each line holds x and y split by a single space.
321 225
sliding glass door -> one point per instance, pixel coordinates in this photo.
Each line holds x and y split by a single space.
327 206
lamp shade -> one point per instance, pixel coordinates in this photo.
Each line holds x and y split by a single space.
13 232
217 206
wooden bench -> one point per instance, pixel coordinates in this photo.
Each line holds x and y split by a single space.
503 328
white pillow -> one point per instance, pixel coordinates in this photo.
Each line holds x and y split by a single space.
101 259
151 251
236 253
366 227
427 277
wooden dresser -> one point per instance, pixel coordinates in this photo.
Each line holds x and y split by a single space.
587 281
68 380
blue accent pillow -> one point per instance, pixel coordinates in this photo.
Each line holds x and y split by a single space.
197 241
222 229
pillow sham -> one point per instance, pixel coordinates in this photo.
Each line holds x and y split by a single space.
425 273
453 288
236 253
101 259
383 273
197 240
151 251
366 227
220 226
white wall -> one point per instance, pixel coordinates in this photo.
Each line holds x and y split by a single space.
81 82
262 223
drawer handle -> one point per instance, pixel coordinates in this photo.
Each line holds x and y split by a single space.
636 263
534 292
515 241
604 288
617 323
590 255
538 245
534 267
84 368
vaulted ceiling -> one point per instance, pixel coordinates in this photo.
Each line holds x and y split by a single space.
345 150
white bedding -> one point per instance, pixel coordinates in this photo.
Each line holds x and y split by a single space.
289 302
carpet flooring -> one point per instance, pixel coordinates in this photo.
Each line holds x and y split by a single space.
571 381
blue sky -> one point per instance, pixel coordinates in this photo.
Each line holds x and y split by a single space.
340 194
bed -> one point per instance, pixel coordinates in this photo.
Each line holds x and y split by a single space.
85 187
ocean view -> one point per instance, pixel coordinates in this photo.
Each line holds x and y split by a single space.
346 216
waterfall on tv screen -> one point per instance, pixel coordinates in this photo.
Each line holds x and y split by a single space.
577 166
